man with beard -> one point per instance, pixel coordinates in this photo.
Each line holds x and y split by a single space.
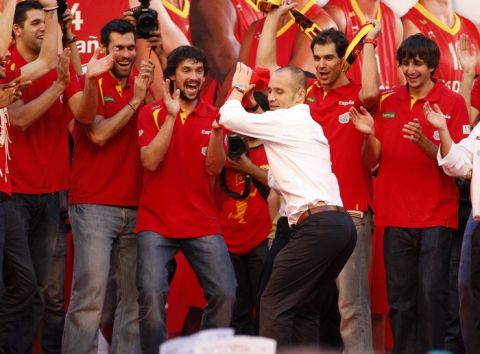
105 188
40 156
181 151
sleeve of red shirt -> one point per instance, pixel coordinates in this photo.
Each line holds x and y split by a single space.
147 128
100 105
10 75
378 122
458 122
476 95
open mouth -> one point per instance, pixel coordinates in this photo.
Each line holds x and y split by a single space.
191 88
124 64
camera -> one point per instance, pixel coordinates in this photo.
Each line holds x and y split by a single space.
62 7
267 5
146 19
237 146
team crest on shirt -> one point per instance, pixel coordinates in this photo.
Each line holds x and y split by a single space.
389 115
311 99
140 132
436 135
108 99
344 118
467 129
204 150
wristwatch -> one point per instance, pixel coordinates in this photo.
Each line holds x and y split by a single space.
239 87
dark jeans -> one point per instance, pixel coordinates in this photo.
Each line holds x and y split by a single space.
417 266
303 277
54 317
209 259
40 215
20 282
469 287
247 270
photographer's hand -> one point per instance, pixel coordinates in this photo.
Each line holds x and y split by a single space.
155 44
242 164
128 16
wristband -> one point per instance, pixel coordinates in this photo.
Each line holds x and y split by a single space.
71 40
131 106
49 9
370 41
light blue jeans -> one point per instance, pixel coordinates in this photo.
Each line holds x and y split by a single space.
353 292
209 259
103 237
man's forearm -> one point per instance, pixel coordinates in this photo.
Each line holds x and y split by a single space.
154 153
6 22
48 57
267 45
87 106
23 115
215 153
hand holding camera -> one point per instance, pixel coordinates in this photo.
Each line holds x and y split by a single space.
145 19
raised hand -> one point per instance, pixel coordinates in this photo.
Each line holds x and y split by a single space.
63 68
171 100
362 120
242 76
376 30
98 65
467 54
143 80
434 116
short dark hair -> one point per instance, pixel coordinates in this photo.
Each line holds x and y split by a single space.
334 36
298 76
182 53
21 11
117 26
422 47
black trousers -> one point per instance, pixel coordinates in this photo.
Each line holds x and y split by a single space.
248 268
303 277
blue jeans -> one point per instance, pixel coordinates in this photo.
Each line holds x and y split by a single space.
54 317
39 215
103 237
417 265
469 298
209 259
21 284
353 292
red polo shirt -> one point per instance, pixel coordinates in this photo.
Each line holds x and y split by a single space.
412 190
177 198
331 112
109 174
40 159
475 100
245 223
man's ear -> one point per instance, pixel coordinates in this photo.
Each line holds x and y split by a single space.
300 96
16 29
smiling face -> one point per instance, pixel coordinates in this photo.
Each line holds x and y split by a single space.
327 64
30 33
189 78
417 73
124 44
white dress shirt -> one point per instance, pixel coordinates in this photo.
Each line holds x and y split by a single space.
297 150
463 158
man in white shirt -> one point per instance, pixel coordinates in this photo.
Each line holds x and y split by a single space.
323 235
